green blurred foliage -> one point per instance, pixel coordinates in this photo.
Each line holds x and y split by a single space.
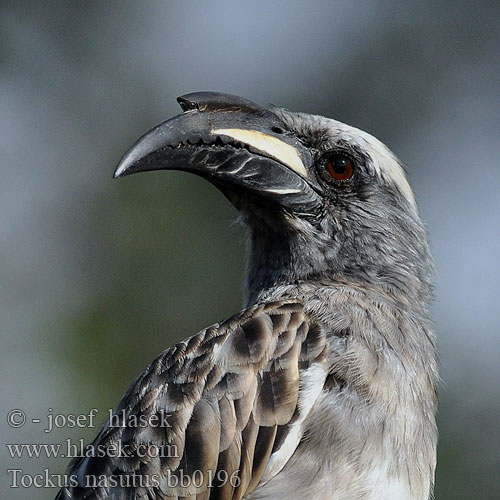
170 255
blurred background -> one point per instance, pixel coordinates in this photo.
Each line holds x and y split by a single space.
98 276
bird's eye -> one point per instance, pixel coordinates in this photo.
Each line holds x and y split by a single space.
340 167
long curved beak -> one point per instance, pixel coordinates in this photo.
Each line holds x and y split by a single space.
232 142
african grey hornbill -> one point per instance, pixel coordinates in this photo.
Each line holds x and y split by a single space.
324 387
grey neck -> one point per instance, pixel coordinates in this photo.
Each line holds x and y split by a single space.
276 260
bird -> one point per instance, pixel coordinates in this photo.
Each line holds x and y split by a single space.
325 385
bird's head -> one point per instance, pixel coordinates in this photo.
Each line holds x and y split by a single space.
324 202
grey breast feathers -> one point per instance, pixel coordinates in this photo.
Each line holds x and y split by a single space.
223 411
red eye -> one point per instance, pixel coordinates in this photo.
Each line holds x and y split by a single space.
340 168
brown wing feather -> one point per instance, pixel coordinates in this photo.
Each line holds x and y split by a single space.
228 395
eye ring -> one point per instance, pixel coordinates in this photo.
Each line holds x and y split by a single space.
339 167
